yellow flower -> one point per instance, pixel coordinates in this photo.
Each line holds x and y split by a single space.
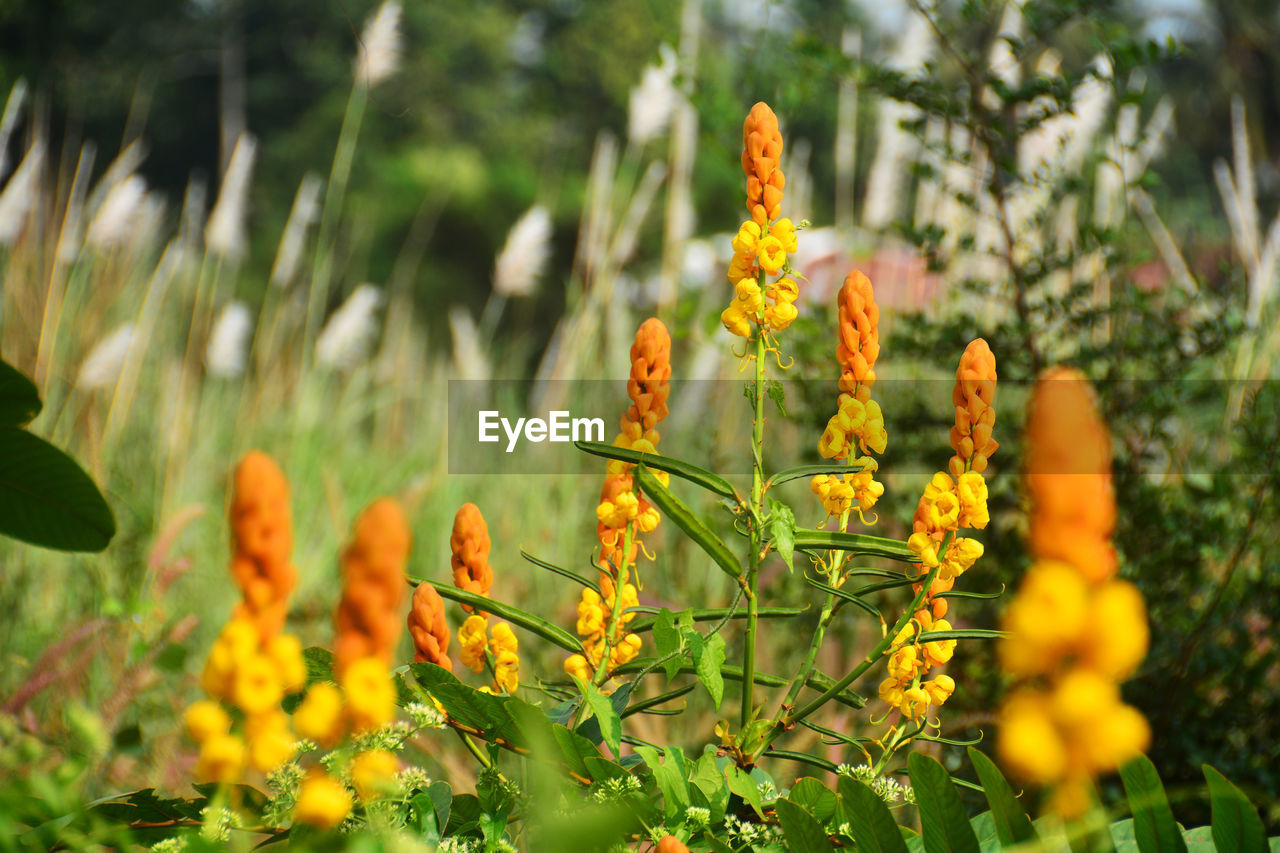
1029 742
372 772
939 652
590 614
322 802
257 687
1045 620
780 315
924 547
1120 735
735 319
471 637
971 489
270 741
742 266
747 239
747 291
783 290
285 652
903 664
770 254
647 521
221 758
506 667
914 703
785 232
206 719
369 693
1116 634
623 508
961 554
626 650
891 692
319 716
1083 697
939 689
576 666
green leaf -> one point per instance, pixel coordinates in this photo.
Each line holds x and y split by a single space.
319 663
1011 821
943 823
653 701
684 470
855 543
801 830
667 639
605 715
536 624
814 796
782 529
846 596
441 801
744 786
1154 828
708 661
960 634
778 395
964 593
817 680
47 499
683 517
671 777
19 399
563 572
869 818
713 614
1236 825
788 474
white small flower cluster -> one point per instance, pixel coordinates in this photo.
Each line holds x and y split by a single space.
282 785
697 817
169 845
612 790
413 778
886 788
217 822
389 737
425 716
742 833
457 844
768 793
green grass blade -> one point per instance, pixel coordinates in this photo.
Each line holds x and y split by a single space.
846 596
645 622
710 481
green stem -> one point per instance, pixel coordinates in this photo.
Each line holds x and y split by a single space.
871 658
602 672
757 501
334 193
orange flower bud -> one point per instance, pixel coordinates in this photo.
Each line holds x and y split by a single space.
428 628
368 617
470 545
974 399
761 163
859 331
262 527
650 381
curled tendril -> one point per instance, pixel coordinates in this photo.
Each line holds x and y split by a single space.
650 557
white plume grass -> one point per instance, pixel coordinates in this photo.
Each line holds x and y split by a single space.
306 207
654 100
524 256
228 350
345 341
101 368
469 361
117 215
380 44
225 232
19 195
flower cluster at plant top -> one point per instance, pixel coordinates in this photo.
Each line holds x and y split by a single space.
947 506
623 514
480 645
253 665
858 422
763 242
1074 631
